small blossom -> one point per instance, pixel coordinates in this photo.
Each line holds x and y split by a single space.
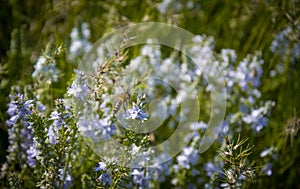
67 180
54 115
18 108
210 169
139 178
93 127
45 70
266 152
41 108
267 169
12 108
32 154
87 127
58 120
257 119
164 5
52 135
79 42
198 125
79 88
188 157
137 113
12 120
105 178
100 167
249 71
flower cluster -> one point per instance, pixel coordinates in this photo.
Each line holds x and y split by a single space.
45 69
80 44
286 43
20 136
18 108
79 88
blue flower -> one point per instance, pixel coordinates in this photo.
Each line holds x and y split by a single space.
267 169
79 88
108 130
12 108
79 42
257 119
266 152
93 127
210 169
54 115
198 125
12 120
58 119
18 108
249 71
52 135
137 113
101 166
41 108
139 178
188 157
87 127
67 180
285 45
105 178
32 154
45 70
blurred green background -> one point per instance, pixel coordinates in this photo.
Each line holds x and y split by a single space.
26 28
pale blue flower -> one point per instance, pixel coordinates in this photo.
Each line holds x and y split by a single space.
266 152
162 170
286 44
58 119
12 108
257 119
87 127
164 5
93 127
32 154
18 108
54 115
67 180
41 108
198 125
210 169
105 178
188 157
139 178
137 113
267 169
270 152
45 70
79 42
101 166
108 130
52 135
12 120
79 88
249 71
